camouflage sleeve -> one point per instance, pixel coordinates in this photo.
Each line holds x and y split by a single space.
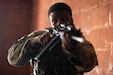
24 49
80 53
83 56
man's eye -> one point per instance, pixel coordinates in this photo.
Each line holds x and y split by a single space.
65 19
54 21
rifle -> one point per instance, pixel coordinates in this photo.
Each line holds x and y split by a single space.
56 40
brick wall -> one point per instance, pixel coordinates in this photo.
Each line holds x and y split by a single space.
95 19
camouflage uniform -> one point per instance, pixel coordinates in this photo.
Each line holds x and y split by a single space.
81 58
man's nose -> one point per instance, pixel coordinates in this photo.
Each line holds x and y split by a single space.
60 22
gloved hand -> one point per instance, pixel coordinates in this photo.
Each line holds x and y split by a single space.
67 40
45 38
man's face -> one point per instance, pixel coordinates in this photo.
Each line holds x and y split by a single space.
60 17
